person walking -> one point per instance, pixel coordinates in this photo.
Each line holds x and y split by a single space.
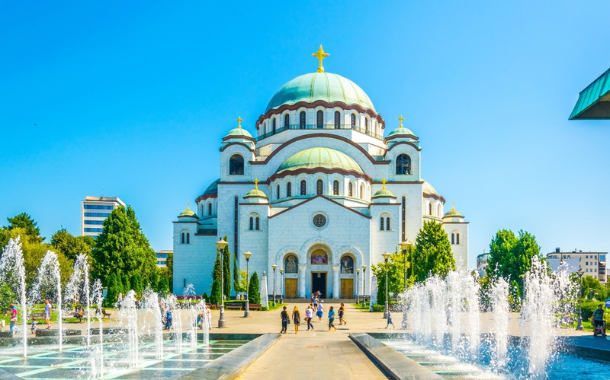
390 321
34 326
296 318
208 316
320 312
13 315
341 314
331 319
48 310
168 319
309 317
285 319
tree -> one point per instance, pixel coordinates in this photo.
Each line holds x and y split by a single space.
113 291
154 281
163 287
215 295
122 247
395 269
237 277
254 293
169 263
136 283
126 284
511 256
227 270
593 288
6 297
242 283
26 222
432 254
70 245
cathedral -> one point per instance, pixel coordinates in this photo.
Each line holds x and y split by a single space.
319 194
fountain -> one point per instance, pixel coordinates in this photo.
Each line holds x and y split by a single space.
206 324
12 270
98 296
79 284
499 304
152 303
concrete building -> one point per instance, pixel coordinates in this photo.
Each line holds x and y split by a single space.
94 210
162 258
592 263
482 264
319 192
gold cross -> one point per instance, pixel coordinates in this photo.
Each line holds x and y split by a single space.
320 54
239 120
453 205
256 183
188 205
400 119
383 181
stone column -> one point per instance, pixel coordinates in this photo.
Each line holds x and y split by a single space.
302 271
336 280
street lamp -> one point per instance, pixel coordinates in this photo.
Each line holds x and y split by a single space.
579 326
274 266
357 284
221 244
363 285
282 285
386 256
247 255
405 247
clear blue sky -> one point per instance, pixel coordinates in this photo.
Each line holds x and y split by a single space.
132 101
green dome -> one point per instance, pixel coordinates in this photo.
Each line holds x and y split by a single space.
239 132
320 158
453 213
401 131
187 212
428 189
384 193
320 86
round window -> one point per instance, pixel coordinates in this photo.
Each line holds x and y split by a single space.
319 220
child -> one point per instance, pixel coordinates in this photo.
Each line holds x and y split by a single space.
389 321
34 323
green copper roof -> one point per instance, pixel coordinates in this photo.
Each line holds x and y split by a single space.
255 193
453 213
320 86
594 101
320 158
428 189
187 212
384 193
239 132
401 131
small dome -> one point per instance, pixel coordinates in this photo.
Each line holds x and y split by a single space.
320 86
238 132
428 189
187 212
255 193
401 131
320 158
212 189
384 193
453 213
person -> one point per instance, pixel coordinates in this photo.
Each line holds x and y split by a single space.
79 313
34 324
48 309
13 315
389 321
208 317
316 301
285 318
312 297
200 320
320 312
168 319
341 313
598 319
309 316
319 293
331 319
296 318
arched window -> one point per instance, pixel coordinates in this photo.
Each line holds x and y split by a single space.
273 125
336 187
236 165
183 238
303 187
452 238
403 164
381 220
361 191
278 191
258 224
366 125
302 120
430 208
347 264
387 224
457 238
209 209
251 223
186 238
438 210
286 120
320 119
350 190
337 120
288 189
353 116
319 187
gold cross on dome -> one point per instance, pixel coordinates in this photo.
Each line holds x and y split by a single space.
239 120
256 183
453 205
400 119
188 205
320 54
383 181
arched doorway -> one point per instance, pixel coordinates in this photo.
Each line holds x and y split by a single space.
319 272
291 281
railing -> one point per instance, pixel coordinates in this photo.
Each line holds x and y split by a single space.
316 126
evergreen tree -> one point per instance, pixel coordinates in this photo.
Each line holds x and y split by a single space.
136 283
113 290
126 284
254 293
215 294
154 281
432 254
227 271
216 271
169 263
26 222
163 286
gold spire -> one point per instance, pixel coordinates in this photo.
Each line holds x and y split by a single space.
239 120
453 205
320 54
383 181
188 205
256 184
400 119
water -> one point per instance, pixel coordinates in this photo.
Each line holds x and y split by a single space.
12 271
78 285
98 296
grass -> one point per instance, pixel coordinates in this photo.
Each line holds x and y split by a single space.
360 307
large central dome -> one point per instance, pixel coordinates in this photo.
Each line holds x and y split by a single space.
320 158
320 86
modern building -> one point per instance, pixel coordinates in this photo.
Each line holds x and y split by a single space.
594 101
321 191
592 263
162 258
482 264
94 211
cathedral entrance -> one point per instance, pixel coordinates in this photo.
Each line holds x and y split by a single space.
318 282
291 286
347 288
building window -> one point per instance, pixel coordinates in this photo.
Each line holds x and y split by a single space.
274 125
98 207
366 125
236 165
381 224
430 209
209 209
361 191
350 190
97 214
353 117
251 223
186 238
302 120
457 238
94 229
452 238
319 187
336 187
98 222
403 164
320 119
337 120
303 187
288 189
286 120
258 224
387 224
278 191
183 238
319 220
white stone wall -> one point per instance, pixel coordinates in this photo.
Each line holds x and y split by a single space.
460 251
193 263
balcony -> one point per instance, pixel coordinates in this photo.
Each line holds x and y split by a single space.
323 126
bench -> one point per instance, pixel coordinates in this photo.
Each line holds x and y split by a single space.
233 306
255 306
37 315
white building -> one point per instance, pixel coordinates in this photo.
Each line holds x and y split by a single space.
162 258
592 263
94 210
319 192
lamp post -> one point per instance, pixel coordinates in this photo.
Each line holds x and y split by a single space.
363 285
274 266
282 285
247 255
386 256
357 285
221 244
579 326
405 247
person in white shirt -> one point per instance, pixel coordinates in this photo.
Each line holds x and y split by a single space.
309 316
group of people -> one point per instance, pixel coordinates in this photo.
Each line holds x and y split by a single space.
313 308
